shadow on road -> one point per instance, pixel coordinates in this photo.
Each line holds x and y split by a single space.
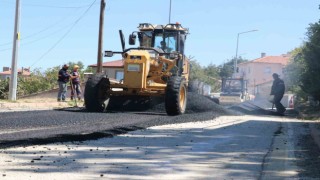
230 151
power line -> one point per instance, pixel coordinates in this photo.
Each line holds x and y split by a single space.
6 44
73 25
39 39
60 7
45 29
51 6
1 50
36 33
46 36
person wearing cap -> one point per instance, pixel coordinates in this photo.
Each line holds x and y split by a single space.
277 90
63 79
75 83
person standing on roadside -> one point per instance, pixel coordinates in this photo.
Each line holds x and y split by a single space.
277 90
75 83
63 79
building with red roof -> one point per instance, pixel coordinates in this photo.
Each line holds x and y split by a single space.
113 69
25 72
258 72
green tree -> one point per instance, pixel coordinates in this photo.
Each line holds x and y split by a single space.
293 71
310 76
212 76
88 70
79 63
197 71
51 75
227 69
4 88
208 75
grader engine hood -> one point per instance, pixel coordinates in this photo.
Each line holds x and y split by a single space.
136 68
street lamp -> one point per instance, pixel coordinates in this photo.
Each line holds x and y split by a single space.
236 58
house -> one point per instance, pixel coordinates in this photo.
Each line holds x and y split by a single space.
113 69
258 72
25 72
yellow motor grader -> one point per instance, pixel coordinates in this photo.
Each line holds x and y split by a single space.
156 68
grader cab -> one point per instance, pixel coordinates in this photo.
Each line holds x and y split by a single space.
156 68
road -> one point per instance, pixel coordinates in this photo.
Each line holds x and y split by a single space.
29 127
197 145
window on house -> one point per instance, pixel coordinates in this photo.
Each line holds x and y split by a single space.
267 70
119 75
249 70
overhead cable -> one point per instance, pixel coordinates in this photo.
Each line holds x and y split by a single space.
59 40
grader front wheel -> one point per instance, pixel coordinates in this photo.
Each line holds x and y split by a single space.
176 96
95 96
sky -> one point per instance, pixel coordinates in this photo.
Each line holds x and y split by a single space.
54 32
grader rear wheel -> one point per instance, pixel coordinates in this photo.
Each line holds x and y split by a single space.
176 96
95 96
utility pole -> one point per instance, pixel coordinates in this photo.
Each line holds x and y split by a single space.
100 40
170 13
14 71
236 58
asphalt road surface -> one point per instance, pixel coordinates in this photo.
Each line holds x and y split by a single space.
34 127
202 144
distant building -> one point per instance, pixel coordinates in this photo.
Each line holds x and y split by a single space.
25 72
113 69
258 72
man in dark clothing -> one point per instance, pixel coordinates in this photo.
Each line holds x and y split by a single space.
277 90
63 79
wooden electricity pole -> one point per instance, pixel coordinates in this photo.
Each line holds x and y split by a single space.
14 72
100 40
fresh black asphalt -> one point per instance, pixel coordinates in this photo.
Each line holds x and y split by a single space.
75 124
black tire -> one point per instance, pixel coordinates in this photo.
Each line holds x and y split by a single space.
96 98
176 96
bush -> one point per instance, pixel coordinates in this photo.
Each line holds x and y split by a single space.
38 81
4 89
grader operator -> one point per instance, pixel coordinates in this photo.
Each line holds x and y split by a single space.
158 67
